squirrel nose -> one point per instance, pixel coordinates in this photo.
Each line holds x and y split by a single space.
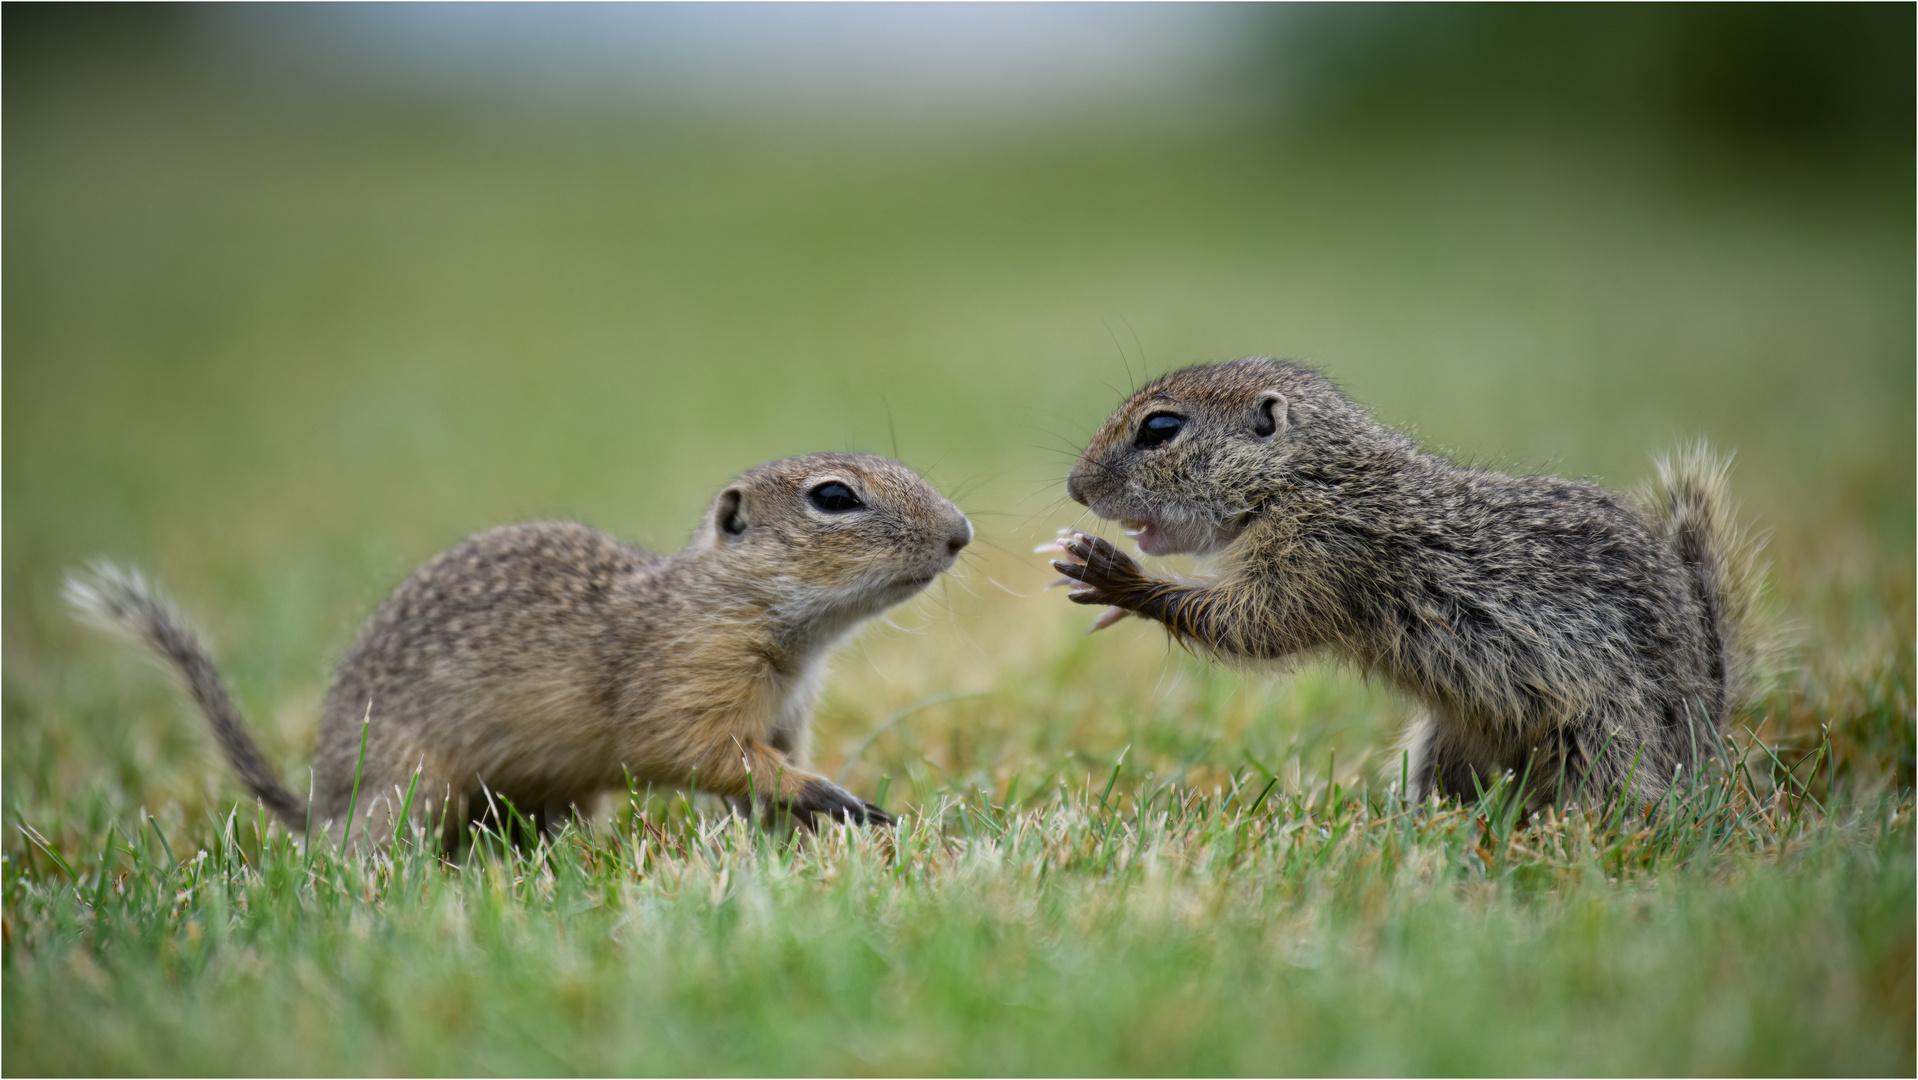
1074 491
960 537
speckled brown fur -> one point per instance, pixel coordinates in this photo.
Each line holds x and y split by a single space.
547 662
1552 630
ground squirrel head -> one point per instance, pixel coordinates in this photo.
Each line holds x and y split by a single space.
846 534
1189 460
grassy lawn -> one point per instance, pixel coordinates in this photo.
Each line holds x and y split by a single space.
278 355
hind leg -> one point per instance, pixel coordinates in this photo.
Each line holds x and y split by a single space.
555 814
1441 760
1609 761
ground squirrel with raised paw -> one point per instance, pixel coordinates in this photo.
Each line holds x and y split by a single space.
544 663
1592 646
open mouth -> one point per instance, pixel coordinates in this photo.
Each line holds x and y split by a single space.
1179 537
1152 538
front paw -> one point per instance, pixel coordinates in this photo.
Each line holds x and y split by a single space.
823 797
1107 575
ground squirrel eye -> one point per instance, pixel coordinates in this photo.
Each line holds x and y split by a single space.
1158 428
835 498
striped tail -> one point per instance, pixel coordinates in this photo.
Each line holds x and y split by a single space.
1689 504
124 603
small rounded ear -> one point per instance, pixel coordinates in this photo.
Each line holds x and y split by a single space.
1273 416
729 515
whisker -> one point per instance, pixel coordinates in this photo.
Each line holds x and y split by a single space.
1003 587
1144 367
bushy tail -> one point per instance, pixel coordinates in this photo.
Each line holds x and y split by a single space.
124 603
1689 504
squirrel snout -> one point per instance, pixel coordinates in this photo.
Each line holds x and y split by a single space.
960 536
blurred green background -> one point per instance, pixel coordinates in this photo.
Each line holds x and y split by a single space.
297 298
298 295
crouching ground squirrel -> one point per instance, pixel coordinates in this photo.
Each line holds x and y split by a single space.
1590 646
544 663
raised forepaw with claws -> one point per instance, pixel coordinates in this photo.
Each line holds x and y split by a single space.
1101 574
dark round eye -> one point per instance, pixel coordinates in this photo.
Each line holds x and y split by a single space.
835 498
1158 428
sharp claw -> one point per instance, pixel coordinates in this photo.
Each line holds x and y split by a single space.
1085 547
1062 581
1107 618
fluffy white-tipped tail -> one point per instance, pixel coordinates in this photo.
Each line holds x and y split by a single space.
123 603
1689 504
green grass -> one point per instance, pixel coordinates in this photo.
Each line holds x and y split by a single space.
277 356
1087 929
